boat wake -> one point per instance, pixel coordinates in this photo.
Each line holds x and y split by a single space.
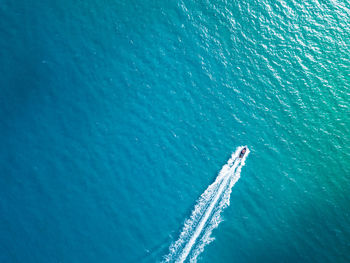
205 217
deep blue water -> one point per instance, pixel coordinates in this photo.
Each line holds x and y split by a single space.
115 116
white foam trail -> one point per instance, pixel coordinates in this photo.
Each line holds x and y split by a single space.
204 219
216 219
206 213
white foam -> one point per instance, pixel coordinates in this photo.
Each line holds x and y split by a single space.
206 214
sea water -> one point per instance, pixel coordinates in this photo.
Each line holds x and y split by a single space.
116 116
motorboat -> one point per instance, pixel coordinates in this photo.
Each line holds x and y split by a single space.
241 154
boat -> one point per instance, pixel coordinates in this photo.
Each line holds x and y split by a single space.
241 154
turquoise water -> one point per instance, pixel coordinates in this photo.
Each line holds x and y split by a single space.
117 115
